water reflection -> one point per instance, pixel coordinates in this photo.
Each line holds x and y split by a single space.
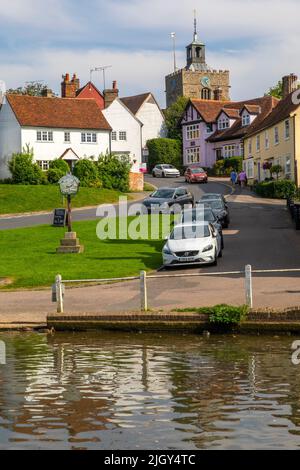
128 391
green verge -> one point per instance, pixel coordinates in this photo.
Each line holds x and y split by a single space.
17 199
28 256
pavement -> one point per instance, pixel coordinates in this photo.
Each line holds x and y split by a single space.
261 234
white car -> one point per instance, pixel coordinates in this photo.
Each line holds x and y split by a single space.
165 171
198 243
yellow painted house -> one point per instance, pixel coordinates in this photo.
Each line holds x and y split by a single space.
275 141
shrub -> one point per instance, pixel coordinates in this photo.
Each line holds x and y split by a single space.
57 169
281 189
24 171
167 151
225 314
86 172
113 172
227 165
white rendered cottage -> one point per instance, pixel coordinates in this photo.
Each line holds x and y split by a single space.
53 127
126 136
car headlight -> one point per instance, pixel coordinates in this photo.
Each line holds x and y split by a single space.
207 248
166 250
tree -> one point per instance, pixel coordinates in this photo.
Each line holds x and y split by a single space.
276 91
164 151
31 88
276 169
24 170
173 116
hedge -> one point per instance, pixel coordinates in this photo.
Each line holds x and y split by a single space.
168 151
281 189
24 171
113 172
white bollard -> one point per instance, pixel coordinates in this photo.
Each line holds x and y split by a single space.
248 286
59 294
143 290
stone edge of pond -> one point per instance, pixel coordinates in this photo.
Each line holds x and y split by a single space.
259 321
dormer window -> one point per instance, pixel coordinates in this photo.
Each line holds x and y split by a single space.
223 123
246 120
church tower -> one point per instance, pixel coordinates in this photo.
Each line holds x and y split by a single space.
197 80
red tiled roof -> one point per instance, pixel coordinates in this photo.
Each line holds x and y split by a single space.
252 108
64 113
209 109
281 112
237 130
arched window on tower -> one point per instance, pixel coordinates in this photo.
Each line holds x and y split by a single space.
198 52
206 94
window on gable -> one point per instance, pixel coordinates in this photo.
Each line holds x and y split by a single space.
193 132
223 124
246 120
114 135
123 135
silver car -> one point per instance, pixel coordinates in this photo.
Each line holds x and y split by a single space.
165 171
201 214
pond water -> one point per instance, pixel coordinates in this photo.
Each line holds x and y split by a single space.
148 391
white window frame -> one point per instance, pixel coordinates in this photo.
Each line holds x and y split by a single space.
276 135
193 155
288 166
114 136
223 123
246 120
193 132
123 136
267 140
250 169
89 138
67 140
250 147
229 151
44 136
43 164
258 143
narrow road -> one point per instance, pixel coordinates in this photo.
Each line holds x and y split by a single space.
22 221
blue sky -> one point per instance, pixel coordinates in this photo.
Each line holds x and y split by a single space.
257 40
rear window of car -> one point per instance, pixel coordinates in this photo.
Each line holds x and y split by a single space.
195 171
198 215
190 232
216 205
164 193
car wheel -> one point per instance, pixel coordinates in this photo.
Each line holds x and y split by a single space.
215 263
221 254
153 174
164 175
222 243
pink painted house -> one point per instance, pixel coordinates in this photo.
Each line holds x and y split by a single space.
213 130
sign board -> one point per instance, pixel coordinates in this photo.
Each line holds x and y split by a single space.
60 218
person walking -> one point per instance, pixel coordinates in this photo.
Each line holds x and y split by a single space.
233 177
243 179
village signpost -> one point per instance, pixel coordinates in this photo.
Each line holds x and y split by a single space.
69 187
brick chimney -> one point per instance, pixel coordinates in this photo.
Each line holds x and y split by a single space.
47 93
289 83
111 94
69 87
218 94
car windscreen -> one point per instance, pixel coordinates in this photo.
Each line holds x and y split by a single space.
198 215
164 193
168 167
216 205
189 232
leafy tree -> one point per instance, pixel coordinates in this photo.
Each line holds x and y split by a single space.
164 151
57 169
86 172
276 91
24 170
276 169
114 172
173 117
32 88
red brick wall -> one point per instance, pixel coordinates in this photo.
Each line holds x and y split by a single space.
136 181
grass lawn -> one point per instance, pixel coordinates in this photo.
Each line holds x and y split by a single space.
28 256
17 198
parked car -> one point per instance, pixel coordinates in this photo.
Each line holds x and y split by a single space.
165 171
220 209
202 214
208 196
192 244
196 175
164 198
